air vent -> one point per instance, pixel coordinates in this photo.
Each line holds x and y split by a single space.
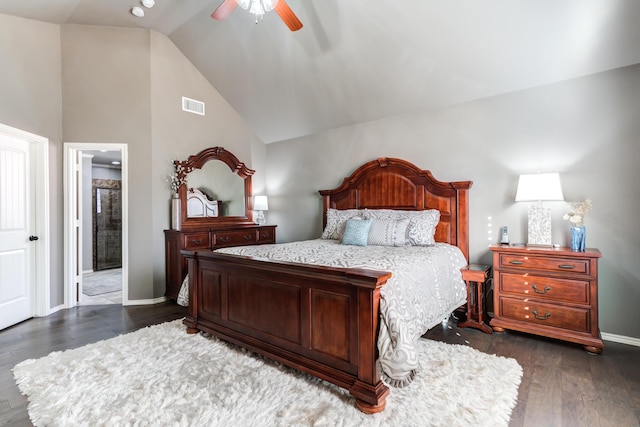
192 106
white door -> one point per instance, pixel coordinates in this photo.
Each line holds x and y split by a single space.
17 221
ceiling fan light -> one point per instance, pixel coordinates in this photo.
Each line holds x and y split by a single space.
148 3
137 11
257 7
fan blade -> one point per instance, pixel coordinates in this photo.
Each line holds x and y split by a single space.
288 16
224 9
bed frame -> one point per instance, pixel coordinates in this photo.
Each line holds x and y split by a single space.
321 320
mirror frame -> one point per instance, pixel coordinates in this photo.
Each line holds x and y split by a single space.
197 161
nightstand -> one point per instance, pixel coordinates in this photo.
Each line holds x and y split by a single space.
552 292
475 276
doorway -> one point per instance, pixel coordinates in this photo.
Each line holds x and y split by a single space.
95 219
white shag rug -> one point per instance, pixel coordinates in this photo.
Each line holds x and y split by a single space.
162 376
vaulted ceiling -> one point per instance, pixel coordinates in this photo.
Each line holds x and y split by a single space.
361 60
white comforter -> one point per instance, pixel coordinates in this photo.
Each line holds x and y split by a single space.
425 287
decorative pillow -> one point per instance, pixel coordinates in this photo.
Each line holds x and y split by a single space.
356 232
422 224
388 232
336 220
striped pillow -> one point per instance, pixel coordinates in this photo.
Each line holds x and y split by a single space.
388 232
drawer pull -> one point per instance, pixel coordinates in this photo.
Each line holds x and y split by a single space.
196 242
566 266
224 239
247 236
538 291
516 262
545 317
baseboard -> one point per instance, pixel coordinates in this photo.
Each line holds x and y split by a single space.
621 339
145 301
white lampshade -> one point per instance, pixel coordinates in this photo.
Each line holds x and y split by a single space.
538 187
260 203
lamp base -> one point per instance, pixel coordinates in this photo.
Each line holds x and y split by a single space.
260 219
539 226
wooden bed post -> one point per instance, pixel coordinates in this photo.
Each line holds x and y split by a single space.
369 398
191 320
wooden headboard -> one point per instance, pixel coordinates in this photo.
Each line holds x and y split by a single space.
388 183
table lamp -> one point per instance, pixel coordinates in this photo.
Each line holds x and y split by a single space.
538 188
260 204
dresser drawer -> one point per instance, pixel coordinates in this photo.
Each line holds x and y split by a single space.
555 264
196 240
266 235
540 287
575 319
235 238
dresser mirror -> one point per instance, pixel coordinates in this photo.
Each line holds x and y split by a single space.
216 189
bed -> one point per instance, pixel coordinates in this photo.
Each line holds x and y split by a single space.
331 318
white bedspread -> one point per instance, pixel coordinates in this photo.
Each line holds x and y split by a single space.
426 287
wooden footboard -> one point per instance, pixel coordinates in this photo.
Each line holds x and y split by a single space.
320 320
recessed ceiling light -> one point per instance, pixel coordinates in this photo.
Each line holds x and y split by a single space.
148 3
137 11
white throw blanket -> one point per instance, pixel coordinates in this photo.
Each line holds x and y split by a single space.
426 287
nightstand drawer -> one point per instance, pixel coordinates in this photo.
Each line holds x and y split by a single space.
193 241
539 287
575 319
555 264
235 238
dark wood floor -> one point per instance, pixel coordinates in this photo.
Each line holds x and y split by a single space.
562 384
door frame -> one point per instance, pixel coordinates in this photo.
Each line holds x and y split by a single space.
39 162
73 203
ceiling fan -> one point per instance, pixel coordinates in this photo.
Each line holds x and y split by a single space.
259 7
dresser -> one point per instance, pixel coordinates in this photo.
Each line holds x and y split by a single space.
552 292
206 239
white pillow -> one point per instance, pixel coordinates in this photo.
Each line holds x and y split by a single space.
336 220
422 224
422 228
388 232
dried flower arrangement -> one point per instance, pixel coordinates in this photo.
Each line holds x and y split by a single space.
178 177
577 213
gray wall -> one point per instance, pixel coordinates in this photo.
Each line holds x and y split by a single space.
587 129
177 134
31 100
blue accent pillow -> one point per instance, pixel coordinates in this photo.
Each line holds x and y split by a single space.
356 232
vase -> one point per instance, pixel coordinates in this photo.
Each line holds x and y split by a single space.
176 214
578 238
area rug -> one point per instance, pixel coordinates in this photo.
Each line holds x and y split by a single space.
102 282
162 376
